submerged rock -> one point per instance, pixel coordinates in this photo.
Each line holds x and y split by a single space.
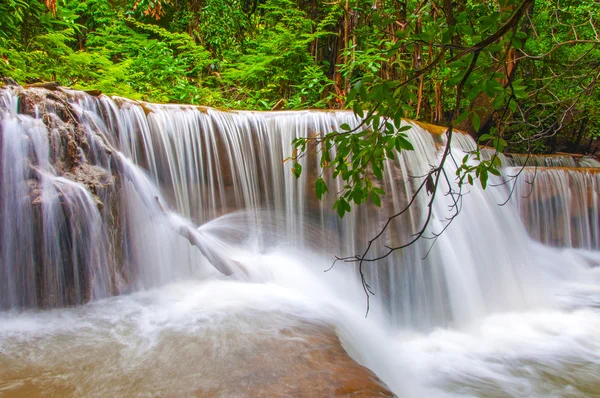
307 361
252 354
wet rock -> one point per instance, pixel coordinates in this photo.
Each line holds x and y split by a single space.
46 85
95 178
251 355
316 365
64 267
9 81
305 361
94 93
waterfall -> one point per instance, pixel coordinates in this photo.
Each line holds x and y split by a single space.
82 224
185 232
557 160
560 206
48 225
111 221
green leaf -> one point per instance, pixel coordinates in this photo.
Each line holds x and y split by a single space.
321 188
340 209
474 92
462 117
499 143
476 121
347 206
483 177
377 171
517 43
358 110
376 200
350 96
495 48
485 137
341 206
358 196
403 143
297 169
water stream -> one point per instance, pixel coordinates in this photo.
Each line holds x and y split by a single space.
187 233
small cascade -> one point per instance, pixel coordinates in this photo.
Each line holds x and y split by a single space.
78 220
488 153
54 246
556 160
560 206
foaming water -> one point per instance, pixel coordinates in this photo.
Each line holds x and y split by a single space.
189 338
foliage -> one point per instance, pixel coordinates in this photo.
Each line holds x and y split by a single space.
516 74
215 52
475 59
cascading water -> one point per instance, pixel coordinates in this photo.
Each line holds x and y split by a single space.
113 210
560 160
560 207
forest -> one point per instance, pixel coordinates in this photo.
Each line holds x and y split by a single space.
160 234
519 75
